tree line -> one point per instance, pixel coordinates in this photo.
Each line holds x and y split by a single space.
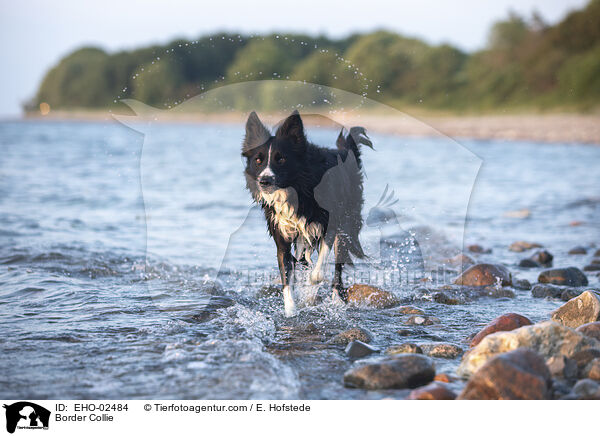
526 63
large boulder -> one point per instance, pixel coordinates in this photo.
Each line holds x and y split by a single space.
570 276
485 274
578 311
506 322
547 339
517 375
370 296
401 372
432 391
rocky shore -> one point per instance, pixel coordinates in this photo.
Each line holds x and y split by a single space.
509 358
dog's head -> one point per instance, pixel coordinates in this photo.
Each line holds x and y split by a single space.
273 161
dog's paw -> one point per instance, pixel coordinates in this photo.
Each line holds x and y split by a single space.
289 306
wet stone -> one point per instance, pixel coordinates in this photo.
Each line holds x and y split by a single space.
522 284
585 389
404 348
592 267
506 322
520 246
591 329
517 375
562 367
577 250
485 274
570 276
410 310
528 263
370 296
578 311
445 378
476 248
592 370
547 291
432 391
357 349
442 298
354 334
542 257
398 372
444 350
422 320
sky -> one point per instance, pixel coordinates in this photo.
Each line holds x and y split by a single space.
35 34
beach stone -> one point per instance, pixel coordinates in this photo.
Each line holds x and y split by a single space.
591 329
410 310
570 276
562 367
495 292
584 357
528 263
595 261
577 250
592 267
579 310
586 389
353 334
520 246
543 257
520 374
522 284
592 370
476 248
546 338
398 372
485 274
422 320
570 293
358 349
445 378
597 253
440 297
404 348
371 296
443 349
547 291
460 260
432 391
506 322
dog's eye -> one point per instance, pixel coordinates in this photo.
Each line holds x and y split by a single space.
259 159
279 159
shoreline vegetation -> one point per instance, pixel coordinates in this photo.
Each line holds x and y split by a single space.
527 65
544 127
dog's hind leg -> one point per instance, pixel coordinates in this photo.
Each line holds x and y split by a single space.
341 256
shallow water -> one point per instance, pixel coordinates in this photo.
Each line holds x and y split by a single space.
134 269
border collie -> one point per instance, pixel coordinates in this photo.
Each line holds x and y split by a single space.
311 196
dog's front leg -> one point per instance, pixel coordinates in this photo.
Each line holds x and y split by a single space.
317 275
286 269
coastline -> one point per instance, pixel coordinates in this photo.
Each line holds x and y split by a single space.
546 128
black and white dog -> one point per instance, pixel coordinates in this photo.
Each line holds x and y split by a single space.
312 197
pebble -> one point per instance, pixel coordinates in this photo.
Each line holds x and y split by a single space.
407 347
422 320
398 372
485 274
354 334
506 322
444 350
520 246
577 250
432 391
357 349
570 276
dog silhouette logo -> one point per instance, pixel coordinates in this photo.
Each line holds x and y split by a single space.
26 415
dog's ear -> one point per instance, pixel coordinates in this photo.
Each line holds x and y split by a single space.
256 133
292 128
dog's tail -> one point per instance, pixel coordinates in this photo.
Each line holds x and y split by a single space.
356 136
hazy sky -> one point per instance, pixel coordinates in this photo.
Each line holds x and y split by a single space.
34 34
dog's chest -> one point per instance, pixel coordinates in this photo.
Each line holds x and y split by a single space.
286 219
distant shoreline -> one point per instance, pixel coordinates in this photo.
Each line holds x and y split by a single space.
548 128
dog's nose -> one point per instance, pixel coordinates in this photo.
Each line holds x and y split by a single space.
266 180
